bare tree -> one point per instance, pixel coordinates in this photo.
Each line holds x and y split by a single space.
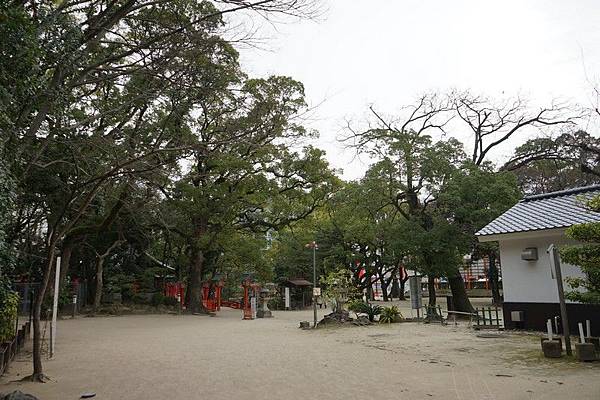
494 122
430 113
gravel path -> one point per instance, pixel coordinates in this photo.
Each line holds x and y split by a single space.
199 357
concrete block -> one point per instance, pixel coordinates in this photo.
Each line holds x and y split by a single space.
557 338
595 341
585 351
552 348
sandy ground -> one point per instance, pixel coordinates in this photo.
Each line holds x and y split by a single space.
223 357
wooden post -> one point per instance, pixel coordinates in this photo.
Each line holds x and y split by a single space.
31 299
588 327
581 335
555 262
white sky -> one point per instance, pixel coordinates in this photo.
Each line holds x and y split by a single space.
386 52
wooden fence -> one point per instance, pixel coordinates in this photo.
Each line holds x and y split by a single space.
8 350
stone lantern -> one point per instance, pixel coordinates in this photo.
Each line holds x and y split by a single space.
263 310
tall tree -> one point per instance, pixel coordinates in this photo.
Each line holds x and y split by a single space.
417 166
244 176
92 91
471 199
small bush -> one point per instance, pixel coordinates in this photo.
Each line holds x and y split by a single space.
138 298
360 307
170 301
276 303
9 302
390 314
356 305
158 299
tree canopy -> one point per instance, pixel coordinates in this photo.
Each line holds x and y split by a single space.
136 147
587 256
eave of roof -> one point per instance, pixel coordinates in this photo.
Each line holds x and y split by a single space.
546 211
298 282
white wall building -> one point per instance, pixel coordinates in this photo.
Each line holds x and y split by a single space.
531 226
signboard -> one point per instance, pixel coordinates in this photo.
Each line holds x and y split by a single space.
416 296
287 298
316 291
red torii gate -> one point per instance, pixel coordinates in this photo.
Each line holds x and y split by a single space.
248 285
211 294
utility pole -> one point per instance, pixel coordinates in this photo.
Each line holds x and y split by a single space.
555 261
314 246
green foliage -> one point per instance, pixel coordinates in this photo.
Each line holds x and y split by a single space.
19 61
390 314
170 301
586 256
158 299
9 302
544 165
370 310
355 305
121 283
7 206
276 303
138 298
408 179
146 281
338 288
474 196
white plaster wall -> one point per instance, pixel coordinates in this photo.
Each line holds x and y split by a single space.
531 281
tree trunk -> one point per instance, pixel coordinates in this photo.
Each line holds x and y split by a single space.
459 293
431 290
65 260
38 372
395 292
494 281
384 287
402 288
99 282
194 297
100 273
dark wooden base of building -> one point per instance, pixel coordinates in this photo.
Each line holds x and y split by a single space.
535 316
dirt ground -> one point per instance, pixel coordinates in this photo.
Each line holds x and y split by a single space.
224 357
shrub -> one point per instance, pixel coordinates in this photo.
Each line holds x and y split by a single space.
9 303
138 298
276 303
170 301
586 255
360 307
158 299
338 288
356 305
390 314
123 284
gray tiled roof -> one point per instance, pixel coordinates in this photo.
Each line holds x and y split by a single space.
546 211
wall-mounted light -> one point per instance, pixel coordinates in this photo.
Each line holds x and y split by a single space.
529 254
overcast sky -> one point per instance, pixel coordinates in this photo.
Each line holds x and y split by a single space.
386 52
